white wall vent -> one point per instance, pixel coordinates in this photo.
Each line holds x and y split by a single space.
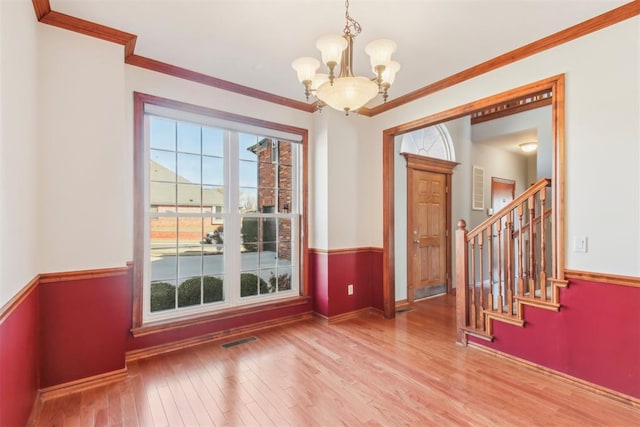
477 197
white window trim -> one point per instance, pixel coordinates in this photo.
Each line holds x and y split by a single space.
231 220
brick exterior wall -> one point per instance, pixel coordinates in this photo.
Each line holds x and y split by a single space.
271 173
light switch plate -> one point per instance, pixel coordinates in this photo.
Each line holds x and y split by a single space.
580 244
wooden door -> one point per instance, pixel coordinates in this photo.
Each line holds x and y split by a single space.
502 192
427 226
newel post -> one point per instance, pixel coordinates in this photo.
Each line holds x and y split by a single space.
462 277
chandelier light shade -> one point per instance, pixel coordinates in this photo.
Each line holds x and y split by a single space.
380 52
343 90
347 93
331 47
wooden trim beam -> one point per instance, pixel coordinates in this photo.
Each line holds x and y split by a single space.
190 342
13 303
183 73
41 8
331 320
170 325
83 384
430 164
363 249
44 14
611 279
485 116
83 274
599 22
91 29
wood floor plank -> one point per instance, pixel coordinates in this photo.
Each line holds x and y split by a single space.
363 371
157 409
169 405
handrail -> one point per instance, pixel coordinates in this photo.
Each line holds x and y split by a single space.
502 264
539 185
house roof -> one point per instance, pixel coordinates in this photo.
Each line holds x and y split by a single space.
163 189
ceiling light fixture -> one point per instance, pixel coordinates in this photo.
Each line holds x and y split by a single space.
528 147
346 92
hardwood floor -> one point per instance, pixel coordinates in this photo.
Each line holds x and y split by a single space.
363 371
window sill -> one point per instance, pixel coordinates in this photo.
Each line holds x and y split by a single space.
183 322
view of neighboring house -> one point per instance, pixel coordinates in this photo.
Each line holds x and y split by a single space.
173 193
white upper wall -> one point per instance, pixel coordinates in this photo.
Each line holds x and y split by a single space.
602 140
84 153
70 112
19 225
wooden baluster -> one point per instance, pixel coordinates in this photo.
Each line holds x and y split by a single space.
490 243
462 280
520 254
532 247
509 259
543 273
500 269
481 244
473 284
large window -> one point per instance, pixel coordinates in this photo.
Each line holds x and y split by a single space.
222 215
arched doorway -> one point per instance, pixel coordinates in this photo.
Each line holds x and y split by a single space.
424 159
555 85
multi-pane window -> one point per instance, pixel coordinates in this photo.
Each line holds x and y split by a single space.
222 220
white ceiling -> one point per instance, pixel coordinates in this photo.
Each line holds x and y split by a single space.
252 42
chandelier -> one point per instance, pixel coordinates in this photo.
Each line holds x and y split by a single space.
344 91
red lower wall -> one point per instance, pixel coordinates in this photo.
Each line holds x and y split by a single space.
67 330
331 273
595 336
19 361
84 326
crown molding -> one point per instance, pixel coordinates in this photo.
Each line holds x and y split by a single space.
193 76
45 15
599 22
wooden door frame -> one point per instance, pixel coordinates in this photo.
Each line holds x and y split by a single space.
556 85
442 167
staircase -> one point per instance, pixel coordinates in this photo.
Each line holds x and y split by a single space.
506 263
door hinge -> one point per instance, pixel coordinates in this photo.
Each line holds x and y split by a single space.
446 189
446 233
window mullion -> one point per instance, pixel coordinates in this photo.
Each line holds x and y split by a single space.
232 232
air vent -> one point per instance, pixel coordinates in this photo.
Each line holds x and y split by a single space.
477 199
239 342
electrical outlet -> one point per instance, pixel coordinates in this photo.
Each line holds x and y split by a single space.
580 244
350 289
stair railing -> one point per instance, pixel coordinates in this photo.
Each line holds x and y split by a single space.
503 262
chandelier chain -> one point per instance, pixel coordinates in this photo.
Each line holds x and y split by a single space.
352 27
